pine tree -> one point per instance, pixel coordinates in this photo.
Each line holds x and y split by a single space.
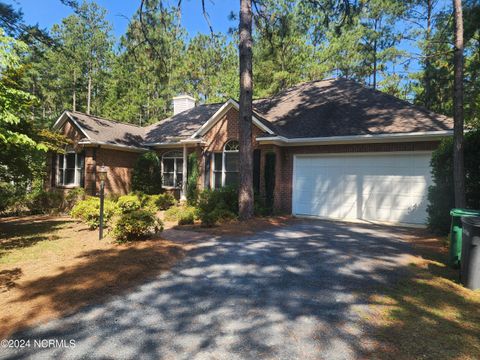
458 63
147 70
245 196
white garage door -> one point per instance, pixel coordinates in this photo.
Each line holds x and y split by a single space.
384 187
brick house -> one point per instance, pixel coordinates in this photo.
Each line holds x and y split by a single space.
335 149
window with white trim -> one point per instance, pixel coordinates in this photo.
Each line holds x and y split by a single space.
172 169
70 168
226 165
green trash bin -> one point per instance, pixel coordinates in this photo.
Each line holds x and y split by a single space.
456 234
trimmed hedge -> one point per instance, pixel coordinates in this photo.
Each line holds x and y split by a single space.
216 205
128 203
88 210
165 201
136 225
182 214
186 217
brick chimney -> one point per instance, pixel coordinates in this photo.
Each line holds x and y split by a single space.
182 103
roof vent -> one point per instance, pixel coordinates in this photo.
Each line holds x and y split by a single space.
182 103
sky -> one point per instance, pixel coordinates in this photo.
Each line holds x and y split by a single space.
45 13
49 12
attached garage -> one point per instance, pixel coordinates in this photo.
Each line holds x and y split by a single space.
386 187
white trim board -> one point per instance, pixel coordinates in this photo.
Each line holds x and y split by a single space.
67 116
188 142
357 139
105 145
366 153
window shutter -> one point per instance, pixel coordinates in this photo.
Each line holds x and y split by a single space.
256 170
207 159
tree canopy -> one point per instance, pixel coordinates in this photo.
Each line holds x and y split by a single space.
404 48
400 47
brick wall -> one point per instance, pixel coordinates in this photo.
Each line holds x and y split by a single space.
119 175
227 128
71 132
284 163
120 163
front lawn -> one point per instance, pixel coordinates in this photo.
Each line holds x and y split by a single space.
427 315
52 266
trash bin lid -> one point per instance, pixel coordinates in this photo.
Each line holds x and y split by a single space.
471 220
464 212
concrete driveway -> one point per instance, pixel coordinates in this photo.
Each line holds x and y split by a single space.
295 292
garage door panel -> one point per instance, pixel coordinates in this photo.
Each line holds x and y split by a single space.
374 214
305 198
399 202
373 187
387 187
315 207
349 209
325 182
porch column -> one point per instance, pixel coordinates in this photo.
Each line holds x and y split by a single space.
183 195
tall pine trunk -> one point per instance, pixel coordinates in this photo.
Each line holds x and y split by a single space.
458 166
375 60
245 196
375 65
89 93
428 57
74 94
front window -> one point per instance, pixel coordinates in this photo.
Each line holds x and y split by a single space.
226 165
172 169
70 168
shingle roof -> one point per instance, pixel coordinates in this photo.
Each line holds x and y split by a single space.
334 107
340 107
109 131
180 126
172 129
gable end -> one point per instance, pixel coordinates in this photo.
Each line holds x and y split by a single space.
221 113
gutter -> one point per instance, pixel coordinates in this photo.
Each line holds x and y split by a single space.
357 139
106 145
176 144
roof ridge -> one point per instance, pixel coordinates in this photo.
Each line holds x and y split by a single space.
296 86
170 117
393 97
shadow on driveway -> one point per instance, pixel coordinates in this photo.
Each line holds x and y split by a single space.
297 291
